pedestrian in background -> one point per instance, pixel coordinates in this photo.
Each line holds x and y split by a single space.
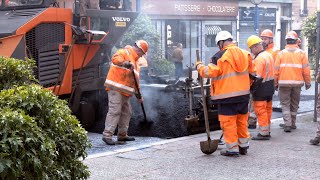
120 85
231 83
263 91
177 57
292 71
316 140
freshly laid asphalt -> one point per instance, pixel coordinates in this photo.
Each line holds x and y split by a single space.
285 156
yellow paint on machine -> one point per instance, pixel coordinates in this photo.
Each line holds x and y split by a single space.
120 24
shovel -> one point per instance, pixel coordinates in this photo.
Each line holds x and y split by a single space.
209 146
145 123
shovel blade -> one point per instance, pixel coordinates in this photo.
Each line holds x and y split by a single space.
146 124
209 146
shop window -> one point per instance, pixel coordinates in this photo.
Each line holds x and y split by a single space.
211 33
195 34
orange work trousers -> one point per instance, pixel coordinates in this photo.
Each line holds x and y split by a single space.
263 110
235 131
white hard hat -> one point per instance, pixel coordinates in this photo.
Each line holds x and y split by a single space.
223 35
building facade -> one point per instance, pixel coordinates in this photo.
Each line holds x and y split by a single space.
194 24
301 9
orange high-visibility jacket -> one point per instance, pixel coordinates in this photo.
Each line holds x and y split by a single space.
230 77
292 67
264 68
120 78
273 51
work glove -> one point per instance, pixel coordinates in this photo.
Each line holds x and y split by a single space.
139 97
307 86
198 63
128 65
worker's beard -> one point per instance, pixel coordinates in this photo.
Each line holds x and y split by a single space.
265 45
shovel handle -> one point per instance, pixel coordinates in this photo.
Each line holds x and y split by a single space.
139 94
204 101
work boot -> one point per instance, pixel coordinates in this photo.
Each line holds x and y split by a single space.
287 129
292 127
126 138
315 141
111 142
252 126
108 141
261 137
243 150
225 152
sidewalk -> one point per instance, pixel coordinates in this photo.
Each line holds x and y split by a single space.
285 156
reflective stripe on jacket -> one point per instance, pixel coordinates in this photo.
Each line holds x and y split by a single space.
230 77
292 67
120 78
264 66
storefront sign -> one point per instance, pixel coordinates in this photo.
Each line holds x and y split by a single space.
176 7
265 14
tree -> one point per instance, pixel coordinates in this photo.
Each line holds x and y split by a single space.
309 31
143 28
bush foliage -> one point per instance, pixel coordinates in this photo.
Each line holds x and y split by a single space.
309 31
15 72
40 138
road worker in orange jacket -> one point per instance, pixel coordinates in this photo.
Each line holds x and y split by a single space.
292 71
120 85
267 38
268 44
263 92
231 84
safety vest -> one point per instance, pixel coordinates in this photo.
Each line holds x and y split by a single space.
264 68
230 77
120 78
292 67
273 51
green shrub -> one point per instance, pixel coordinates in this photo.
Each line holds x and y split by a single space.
39 137
53 117
25 151
163 66
15 72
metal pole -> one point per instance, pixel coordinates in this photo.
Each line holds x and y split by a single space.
317 67
256 27
138 6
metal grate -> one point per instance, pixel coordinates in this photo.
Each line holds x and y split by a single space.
24 13
43 46
87 75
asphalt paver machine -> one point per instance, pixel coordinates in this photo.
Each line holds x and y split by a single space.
71 61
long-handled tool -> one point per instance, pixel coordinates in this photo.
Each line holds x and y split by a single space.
220 140
209 146
145 123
